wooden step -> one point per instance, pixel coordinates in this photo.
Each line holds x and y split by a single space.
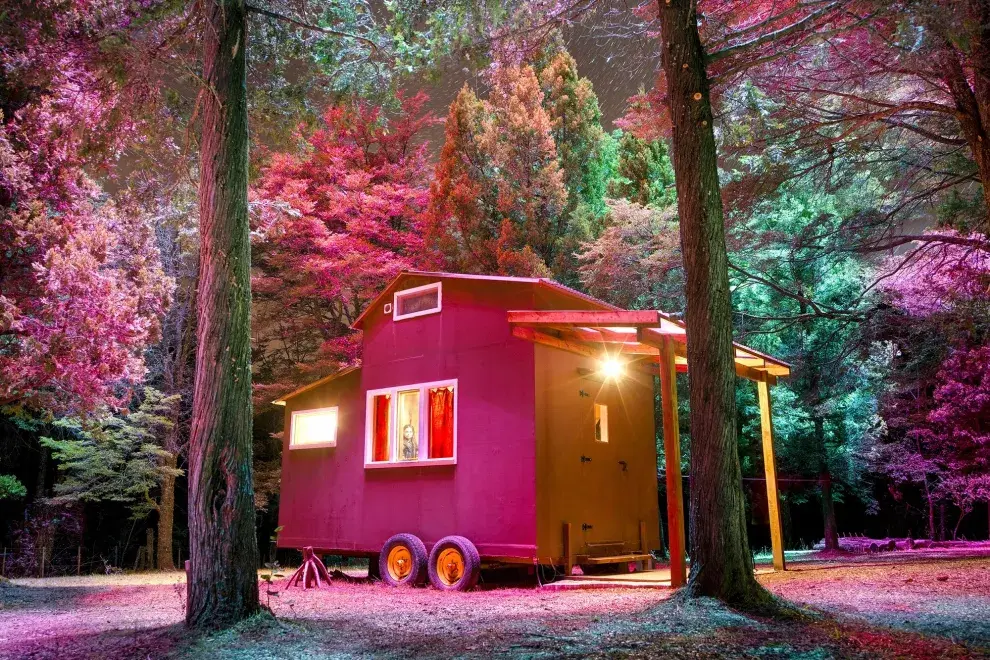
614 559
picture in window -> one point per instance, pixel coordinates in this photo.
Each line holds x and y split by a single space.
382 415
408 425
441 419
601 423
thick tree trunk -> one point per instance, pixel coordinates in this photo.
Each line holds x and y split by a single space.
223 548
721 563
166 516
825 478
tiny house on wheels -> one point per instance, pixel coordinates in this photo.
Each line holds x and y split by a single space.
494 420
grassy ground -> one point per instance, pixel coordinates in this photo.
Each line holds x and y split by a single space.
905 605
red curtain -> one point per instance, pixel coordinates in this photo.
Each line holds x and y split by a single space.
379 449
442 422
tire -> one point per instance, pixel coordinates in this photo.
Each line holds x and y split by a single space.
454 564
403 561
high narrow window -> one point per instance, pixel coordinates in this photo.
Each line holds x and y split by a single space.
412 425
416 302
442 422
381 420
601 423
313 428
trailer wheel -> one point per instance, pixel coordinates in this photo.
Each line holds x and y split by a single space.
454 564
403 561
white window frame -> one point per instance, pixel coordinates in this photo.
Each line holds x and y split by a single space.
411 292
314 445
424 425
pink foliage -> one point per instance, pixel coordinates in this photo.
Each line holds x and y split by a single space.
938 276
333 224
81 287
959 424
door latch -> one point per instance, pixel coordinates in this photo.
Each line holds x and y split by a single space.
625 466
585 459
585 527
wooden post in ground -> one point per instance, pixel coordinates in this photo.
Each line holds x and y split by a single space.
672 455
42 561
79 560
770 465
568 550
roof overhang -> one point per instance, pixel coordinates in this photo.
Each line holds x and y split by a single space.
639 334
305 388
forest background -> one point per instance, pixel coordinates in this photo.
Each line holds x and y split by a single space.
856 219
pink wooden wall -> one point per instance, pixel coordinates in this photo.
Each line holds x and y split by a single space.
331 501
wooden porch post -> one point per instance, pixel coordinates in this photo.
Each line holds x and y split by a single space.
672 454
770 464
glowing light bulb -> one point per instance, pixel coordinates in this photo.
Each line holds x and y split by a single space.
611 368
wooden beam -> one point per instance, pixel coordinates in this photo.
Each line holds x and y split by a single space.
770 465
635 318
649 337
596 335
542 338
672 459
613 347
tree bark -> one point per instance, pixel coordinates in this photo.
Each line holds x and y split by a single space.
223 580
166 517
972 112
721 563
825 477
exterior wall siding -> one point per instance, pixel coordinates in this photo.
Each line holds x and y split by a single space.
331 501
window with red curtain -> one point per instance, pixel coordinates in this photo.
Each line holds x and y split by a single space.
442 422
381 418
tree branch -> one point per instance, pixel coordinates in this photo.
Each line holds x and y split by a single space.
796 26
309 26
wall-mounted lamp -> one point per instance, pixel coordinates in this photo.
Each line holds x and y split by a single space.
612 368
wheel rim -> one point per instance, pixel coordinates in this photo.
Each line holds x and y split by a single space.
399 563
450 566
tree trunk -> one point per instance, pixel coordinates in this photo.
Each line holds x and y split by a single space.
828 513
971 113
721 563
149 548
941 521
223 548
825 478
166 516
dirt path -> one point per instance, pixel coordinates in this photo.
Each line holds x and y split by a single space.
898 609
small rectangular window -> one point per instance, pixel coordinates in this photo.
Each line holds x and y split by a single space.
313 428
416 302
381 420
601 423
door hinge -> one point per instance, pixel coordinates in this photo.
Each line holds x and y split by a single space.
585 459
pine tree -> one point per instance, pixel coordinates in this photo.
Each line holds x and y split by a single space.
644 173
498 204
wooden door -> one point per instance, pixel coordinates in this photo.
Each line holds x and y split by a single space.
601 526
